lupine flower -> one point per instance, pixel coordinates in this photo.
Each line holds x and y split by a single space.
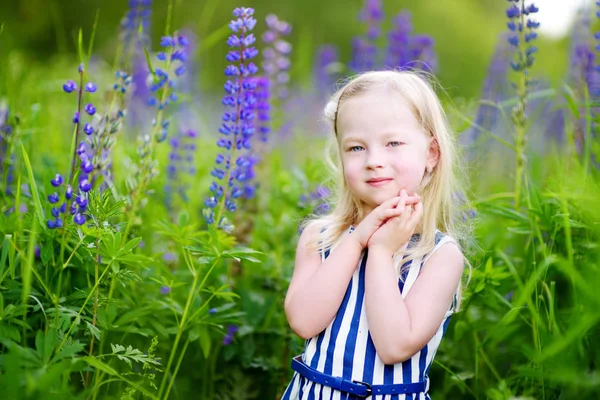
495 89
523 33
162 86
316 200
237 128
212 311
406 50
263 108
165 290
325 70
6 130
231 331
138 14
364 48
59 212
181 163
276 64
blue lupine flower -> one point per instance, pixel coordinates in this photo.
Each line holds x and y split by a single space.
263 108
90 87
162 85
276 55
90 109
406 50
522 35
58 212
138 14
79 219
364 48
495 89
238 127
165 290
324 70
57 181
316 200
88 129
70 86
231 331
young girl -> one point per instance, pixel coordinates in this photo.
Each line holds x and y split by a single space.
376 281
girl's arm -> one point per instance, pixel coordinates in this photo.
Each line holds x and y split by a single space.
318 288
401 327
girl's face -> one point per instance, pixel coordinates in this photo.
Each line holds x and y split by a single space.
384 148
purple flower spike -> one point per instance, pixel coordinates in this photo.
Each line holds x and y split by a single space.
85 186
57 181
79 219
90 87
70 86
88 129
90 109
237 127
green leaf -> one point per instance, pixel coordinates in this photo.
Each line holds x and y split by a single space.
569 96
47 252
242 253
33 188
80 46
205 342
4 254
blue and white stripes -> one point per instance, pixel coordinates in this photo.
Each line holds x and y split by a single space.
345 347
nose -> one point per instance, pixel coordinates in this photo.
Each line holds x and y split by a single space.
374 159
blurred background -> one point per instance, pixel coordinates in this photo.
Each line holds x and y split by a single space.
465 31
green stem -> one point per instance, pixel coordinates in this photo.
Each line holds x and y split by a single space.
185 346
82 307
178 336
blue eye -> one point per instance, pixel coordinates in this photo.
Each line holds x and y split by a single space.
395 143
355 148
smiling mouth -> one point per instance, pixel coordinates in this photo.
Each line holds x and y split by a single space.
378 182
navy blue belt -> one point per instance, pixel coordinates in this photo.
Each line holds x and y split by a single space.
357 388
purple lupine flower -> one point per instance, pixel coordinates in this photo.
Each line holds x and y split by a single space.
584 75
162 86
212 311
364 48
276 55
326 70
316 200
90 87
231 331
138 14
165 290
523 34
263 108
70 86
406 50
237 127
495 89
181 163
59 213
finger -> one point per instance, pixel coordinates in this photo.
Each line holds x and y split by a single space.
416 216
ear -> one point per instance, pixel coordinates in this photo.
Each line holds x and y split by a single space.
433 155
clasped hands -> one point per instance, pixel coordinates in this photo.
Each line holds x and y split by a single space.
390 225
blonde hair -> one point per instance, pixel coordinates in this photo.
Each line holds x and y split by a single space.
439 189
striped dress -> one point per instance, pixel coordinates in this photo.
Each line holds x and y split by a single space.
345 347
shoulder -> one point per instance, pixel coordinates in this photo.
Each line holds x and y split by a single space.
446 252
